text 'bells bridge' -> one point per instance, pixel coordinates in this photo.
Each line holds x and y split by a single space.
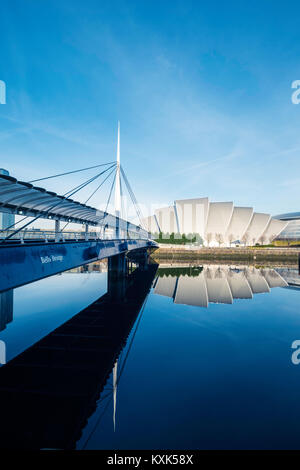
27 255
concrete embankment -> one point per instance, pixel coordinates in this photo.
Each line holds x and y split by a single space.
250 255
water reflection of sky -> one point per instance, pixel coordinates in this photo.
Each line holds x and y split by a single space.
42 306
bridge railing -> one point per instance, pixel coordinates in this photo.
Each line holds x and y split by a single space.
47 236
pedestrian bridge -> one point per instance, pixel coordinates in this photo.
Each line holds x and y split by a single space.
28 255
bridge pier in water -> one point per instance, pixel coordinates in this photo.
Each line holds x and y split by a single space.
117 276
119 268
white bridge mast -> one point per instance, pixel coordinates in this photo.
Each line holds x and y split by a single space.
118 182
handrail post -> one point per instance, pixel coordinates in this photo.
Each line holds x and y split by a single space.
117 227
57 229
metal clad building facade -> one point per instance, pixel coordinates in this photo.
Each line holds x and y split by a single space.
292 229
6 219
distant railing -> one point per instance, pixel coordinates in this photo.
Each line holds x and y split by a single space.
50 236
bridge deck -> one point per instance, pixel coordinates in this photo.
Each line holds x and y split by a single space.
25 263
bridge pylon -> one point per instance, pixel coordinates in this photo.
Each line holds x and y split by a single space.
118 202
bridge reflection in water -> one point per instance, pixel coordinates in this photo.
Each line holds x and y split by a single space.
48 392
6 308
215 284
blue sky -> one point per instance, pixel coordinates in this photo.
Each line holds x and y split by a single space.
202 90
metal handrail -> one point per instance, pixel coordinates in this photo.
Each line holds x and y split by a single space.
52 235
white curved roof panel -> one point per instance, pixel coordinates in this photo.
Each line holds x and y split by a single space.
219 216
218 289
273 278
192 215
240 220
192 291
166 219
274 228
257 226
150 224
239 285
257 281
166 286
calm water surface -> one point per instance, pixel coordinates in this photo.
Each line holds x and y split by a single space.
201 361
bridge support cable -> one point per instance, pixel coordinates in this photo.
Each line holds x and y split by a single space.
110 393
85 183
109 197
97 189
77 189
122 206
108 200
133 198
107 203
101 184
70 172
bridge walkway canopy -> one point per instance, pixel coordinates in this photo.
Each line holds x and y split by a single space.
19 197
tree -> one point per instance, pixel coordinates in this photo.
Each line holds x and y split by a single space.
198 239
231 238
208 238
262 239
245 238
190 237
208 273
219 238
218 273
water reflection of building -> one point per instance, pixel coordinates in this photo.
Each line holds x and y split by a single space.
217 284
291 276
97 266
6 308
6 219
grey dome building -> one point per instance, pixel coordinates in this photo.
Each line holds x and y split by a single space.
292 229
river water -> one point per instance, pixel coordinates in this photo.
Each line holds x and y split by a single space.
188 358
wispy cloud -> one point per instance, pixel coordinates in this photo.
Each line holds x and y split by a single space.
290 183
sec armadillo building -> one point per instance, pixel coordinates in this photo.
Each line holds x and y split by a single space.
217 223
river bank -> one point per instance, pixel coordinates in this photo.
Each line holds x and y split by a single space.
171 253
